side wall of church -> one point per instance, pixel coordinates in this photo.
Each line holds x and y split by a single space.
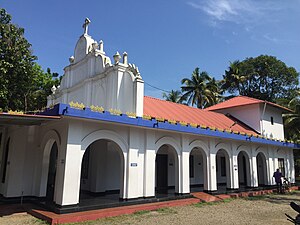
26 156
124 158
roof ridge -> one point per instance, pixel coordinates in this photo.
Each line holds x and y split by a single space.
173 102
243 96
232 99
223 105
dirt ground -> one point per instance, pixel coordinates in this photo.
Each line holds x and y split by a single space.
259 210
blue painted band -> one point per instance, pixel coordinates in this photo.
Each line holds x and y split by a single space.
87 113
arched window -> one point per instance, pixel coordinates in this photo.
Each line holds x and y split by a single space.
272 120
4 160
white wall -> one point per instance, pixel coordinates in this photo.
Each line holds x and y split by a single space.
93 80
139 145
272 131
15 164
249 114
258 117
25 159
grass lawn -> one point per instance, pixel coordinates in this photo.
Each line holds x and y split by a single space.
268 209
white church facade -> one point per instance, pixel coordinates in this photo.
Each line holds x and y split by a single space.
101 135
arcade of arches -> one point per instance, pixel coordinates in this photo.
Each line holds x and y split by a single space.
103 166
105 163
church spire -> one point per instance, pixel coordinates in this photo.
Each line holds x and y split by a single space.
85 26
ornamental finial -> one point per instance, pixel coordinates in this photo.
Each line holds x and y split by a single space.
85 25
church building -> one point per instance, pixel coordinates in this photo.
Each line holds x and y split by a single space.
101 137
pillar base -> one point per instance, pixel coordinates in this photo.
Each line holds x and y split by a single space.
210 192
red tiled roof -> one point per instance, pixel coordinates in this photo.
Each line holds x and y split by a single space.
158 108
241 101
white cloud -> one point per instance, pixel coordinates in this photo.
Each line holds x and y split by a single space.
237 11
268 37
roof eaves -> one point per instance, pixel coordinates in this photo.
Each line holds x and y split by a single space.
254 101
87 113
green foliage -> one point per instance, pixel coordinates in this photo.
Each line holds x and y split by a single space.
256 198
201 90
142 212
174 96
23 84
292 119
264 77
167 210
201 204
41 84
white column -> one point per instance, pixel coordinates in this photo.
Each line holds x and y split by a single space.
270 166
185 159
253 168
178 187
185 167
133 165
149 168
276 165
233 165
287 165
68 176
139 95
206 173
292 166
67 181
212 178
141 164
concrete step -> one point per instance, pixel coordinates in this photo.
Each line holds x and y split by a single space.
204 197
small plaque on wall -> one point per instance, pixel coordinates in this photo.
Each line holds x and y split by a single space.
133 164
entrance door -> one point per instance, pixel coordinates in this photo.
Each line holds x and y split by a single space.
162 174
52 173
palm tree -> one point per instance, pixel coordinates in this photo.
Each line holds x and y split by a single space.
292 120
215 87
201 90
233 79
174 96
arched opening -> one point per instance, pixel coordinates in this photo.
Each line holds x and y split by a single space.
102 171
166 171
52 172
244 170
5 161
198 170
261 169
222 170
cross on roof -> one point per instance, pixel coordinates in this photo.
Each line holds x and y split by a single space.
85 25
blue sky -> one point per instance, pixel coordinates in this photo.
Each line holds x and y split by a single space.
165 39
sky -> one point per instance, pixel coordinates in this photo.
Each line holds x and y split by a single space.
166 39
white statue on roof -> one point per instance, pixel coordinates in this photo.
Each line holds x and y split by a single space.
92 79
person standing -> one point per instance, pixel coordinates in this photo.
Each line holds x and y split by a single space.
278 175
